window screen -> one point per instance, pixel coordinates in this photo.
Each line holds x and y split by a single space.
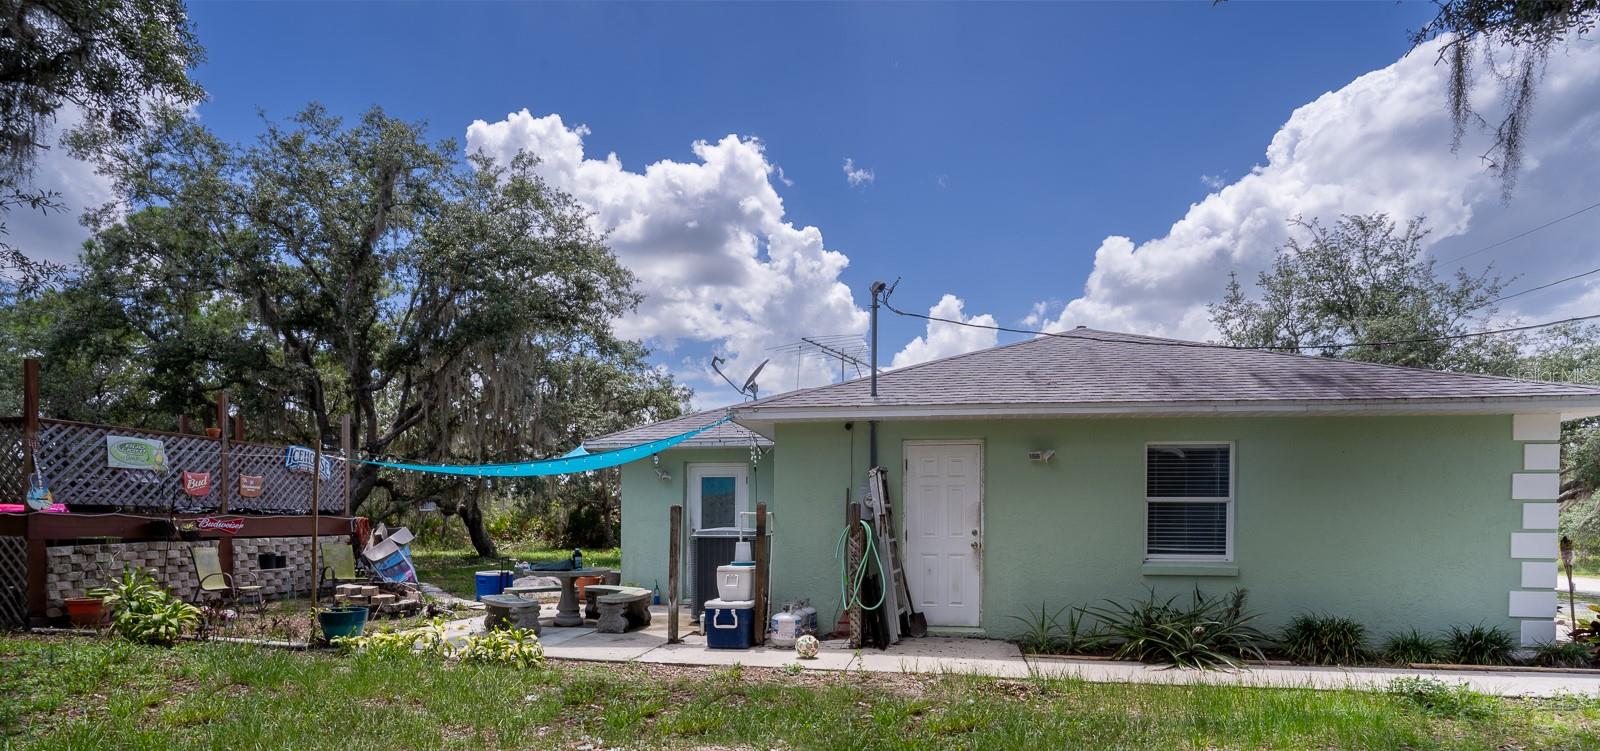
1197 525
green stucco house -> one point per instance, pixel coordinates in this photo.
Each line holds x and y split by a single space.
1093 465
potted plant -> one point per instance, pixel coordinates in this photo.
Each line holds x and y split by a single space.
188 531
89 610
341 620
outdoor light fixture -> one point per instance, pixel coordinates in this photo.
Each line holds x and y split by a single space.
661 474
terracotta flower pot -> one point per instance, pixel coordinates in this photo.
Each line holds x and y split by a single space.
584 581
213 432
86 611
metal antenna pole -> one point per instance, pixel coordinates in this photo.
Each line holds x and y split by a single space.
872 425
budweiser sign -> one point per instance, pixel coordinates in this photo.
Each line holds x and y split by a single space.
229 524
197 483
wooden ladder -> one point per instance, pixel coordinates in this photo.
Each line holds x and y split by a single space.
897 595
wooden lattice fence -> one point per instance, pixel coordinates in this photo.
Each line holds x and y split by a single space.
13 582
11 480
283 492
72 456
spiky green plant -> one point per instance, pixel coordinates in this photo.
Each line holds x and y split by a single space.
1412 646
1211 633
1479 645
1312 639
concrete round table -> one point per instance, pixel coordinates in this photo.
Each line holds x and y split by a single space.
567 611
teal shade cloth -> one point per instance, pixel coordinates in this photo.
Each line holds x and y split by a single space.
568 463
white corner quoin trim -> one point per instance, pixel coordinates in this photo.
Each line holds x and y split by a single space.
1539 575
1535 486
1541 456
1540 427
1541 482
1541 516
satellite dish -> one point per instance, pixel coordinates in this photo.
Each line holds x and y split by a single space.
748 390
750 386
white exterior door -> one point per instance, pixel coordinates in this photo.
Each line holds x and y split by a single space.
718 493
944 530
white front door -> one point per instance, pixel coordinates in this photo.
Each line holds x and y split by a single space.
944 530
718 493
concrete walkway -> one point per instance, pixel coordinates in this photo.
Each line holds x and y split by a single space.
1003 660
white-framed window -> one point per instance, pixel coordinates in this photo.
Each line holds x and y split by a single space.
1188 507
717 495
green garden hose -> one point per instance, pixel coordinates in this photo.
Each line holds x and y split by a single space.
850 596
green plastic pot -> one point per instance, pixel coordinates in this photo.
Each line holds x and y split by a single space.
342 620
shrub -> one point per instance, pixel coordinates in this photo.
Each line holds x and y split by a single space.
142 611
1564 655
1440 699
1211 633
1412 646
1325 640
516 647
1048 634
1479 645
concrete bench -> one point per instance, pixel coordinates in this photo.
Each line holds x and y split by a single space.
510 611
525 591
621 608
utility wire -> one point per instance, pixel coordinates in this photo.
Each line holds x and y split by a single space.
1292 347
1535 289
1521 235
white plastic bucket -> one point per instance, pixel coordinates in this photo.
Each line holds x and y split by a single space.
741 550
735 582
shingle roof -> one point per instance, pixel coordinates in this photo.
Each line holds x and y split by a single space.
1092 367
725 435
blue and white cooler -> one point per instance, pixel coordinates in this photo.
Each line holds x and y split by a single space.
729 624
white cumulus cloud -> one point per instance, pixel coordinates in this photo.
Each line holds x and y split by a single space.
857 176
715 257
58 235
1380 143
946 339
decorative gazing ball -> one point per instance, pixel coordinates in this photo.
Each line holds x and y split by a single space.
806 647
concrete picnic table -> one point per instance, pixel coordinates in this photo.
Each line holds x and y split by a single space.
567 613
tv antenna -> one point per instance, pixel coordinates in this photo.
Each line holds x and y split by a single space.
750 389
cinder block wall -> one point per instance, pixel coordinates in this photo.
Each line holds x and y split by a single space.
293 580
76 569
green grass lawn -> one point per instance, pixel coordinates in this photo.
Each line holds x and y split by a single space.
76 693
453 569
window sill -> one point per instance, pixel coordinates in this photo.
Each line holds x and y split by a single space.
1185 568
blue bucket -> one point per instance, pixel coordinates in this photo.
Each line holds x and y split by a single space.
493 582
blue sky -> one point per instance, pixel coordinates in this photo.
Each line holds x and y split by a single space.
1007 142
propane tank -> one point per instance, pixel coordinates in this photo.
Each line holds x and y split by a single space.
783 629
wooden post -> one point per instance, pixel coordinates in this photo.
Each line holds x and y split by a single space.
238 428
674 552
854 550
30 422
346 444
38 558
222 453
316 503
759 552
183 424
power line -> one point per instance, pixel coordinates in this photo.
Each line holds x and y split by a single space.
1590 272
1291 347
1523 234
